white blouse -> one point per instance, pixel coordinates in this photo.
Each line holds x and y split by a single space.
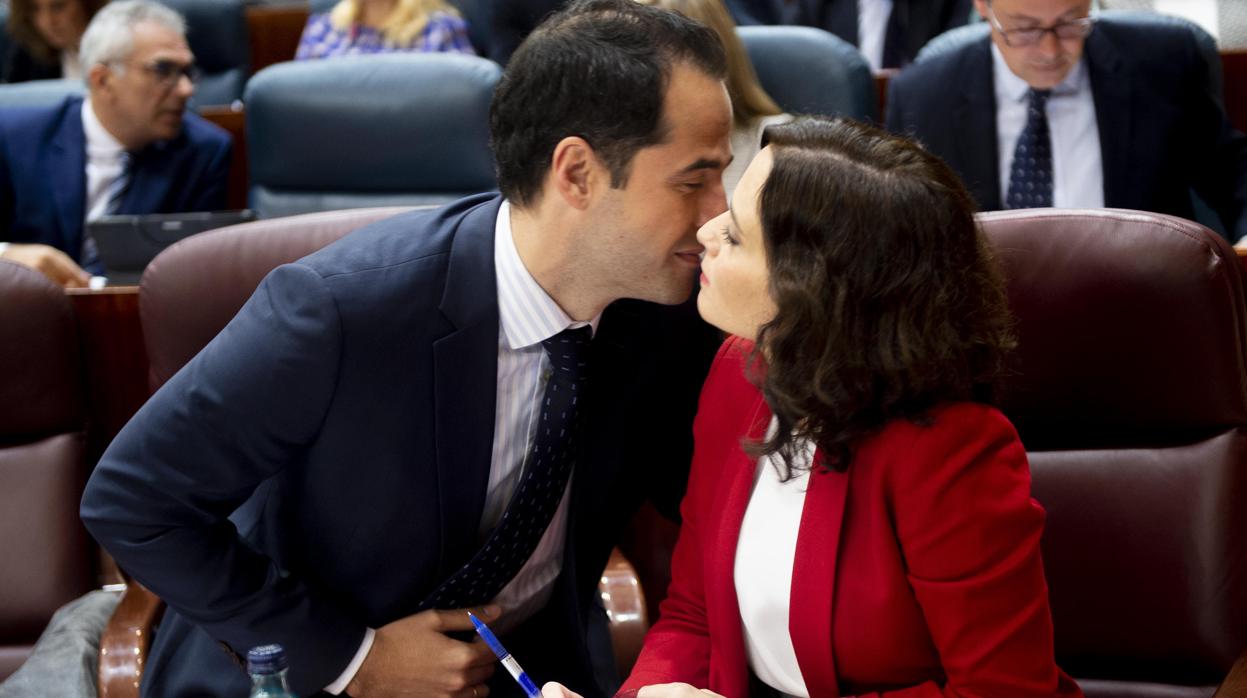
763 573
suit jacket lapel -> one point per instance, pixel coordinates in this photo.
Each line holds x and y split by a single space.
67 171
975 117
1111 90
810 620
151 176
465 384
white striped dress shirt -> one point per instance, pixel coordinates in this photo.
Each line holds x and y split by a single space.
527 315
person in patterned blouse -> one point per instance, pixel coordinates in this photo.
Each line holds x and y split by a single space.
356 27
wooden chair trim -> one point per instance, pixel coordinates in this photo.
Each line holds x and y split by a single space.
1235 684
624 601
126 642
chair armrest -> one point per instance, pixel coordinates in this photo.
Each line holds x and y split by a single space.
625 606
1235 684
126 641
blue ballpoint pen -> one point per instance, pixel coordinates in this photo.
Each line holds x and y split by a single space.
513 667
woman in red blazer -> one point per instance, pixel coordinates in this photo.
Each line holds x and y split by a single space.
858 520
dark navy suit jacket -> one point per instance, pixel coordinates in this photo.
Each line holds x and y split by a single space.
1163 131
345 419
43 181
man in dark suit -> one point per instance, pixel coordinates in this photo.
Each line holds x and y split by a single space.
1055 109
414 420
130 147
889 32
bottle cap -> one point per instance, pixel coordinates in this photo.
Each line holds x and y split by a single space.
266 659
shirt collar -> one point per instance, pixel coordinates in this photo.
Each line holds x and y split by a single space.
1011 88
99 141
526 313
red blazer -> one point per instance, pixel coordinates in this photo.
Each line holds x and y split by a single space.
917 572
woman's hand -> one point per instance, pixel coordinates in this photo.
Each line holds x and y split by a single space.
675 690
665 690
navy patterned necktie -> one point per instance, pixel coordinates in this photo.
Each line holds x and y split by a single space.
547 470
1030 178
114 194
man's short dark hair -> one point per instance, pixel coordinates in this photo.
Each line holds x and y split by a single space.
598 70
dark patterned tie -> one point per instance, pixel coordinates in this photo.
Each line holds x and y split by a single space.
547 470
1030 178
114 195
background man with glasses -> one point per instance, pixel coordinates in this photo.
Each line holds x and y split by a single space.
1056 109
128 148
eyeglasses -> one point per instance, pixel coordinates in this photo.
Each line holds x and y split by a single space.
1021 38
168 72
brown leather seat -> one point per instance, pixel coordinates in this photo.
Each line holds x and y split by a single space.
188 294
1130 395
47 557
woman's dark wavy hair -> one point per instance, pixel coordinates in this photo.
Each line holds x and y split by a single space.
21 27
889 300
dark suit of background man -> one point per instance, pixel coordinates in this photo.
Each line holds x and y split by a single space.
889 32
1130 112
317 474
128 148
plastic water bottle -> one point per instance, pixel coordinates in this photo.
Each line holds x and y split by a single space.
267 666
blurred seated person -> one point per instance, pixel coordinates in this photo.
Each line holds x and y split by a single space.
356 27
858 519
1056 110
888 32
752 108
128 148
44 39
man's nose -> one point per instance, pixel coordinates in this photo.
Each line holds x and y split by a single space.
1049 45
713 203
185 86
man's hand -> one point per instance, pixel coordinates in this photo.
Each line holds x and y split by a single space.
50 262
414 657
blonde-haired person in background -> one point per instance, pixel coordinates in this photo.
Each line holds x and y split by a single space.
355 27
752 108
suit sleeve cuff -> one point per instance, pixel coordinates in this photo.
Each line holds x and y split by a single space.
344 679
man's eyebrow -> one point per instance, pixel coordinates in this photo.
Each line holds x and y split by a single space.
732 214
703 164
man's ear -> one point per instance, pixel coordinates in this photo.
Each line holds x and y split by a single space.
576 172
99 78
981 7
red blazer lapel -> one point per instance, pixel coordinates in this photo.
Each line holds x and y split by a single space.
814 580
729 670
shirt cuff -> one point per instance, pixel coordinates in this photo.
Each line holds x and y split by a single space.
337 687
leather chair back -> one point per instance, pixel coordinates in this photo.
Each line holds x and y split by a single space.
217 33
811 71
39 93
398 129
194 288
46 553
1129 390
